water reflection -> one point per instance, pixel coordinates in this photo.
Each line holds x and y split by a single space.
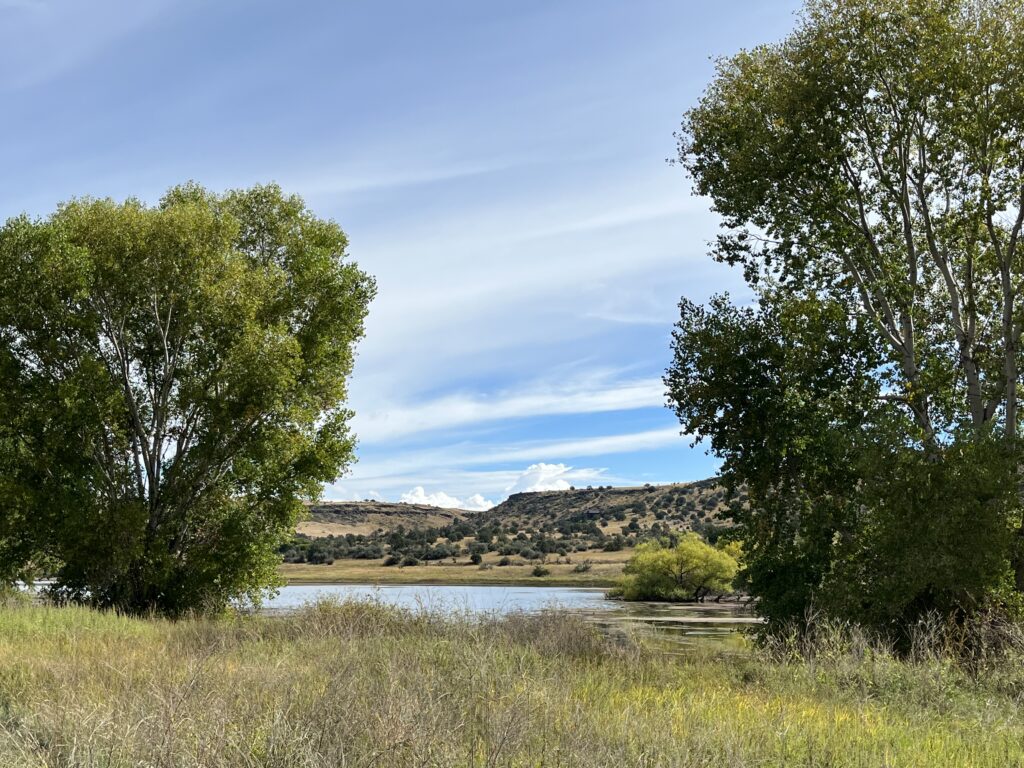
721 624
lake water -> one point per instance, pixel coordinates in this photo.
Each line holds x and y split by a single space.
682 623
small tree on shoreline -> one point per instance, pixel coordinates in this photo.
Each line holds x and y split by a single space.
691 570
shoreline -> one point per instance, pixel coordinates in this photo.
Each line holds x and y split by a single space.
529 581
603 571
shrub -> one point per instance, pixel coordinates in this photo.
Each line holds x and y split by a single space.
505 561
688 571
615 544
409 560
540 570
583 567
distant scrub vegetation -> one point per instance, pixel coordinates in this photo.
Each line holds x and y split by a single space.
535 527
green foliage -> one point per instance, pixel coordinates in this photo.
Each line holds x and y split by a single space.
177 386
691 570
870 174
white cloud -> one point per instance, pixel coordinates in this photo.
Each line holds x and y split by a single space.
509 280
590 394
536 477
477 502
541 477
355 180
418 495
587 446
460 483
428 463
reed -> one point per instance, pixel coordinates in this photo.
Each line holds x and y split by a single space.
362 684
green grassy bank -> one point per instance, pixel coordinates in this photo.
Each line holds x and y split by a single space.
363 685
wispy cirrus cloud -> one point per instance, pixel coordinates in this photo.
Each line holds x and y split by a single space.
593 394
42 40
355 179
427 467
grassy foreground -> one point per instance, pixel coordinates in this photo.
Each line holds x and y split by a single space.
605 570
358 684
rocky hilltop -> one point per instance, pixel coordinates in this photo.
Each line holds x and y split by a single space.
680 505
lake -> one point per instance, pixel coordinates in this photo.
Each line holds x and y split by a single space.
679 623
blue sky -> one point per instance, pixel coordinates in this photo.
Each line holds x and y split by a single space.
499 167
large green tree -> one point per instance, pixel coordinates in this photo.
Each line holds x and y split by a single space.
172 385
869 171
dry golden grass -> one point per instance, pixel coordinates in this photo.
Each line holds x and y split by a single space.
605 569
363 686
317 529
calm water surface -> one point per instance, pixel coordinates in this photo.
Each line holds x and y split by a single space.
686 623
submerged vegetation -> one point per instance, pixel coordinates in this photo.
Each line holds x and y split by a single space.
359 684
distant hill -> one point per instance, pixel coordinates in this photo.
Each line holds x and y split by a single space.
681 506
366 517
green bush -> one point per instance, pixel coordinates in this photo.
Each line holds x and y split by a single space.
691 570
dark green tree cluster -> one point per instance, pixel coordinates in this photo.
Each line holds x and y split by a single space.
575 533
172 385
869 171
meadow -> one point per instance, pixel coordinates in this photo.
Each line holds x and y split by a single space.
361 684
589 569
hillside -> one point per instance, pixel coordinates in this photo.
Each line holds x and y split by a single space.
366 517
680 506
583 536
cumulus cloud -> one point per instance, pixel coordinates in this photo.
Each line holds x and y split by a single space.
542 477
536 477
418 495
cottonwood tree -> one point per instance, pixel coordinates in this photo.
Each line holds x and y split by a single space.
173 382
690 570
872 165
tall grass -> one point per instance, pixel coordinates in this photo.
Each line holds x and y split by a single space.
361 684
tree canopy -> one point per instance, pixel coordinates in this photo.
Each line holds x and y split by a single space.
690 570
172 384
869 171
